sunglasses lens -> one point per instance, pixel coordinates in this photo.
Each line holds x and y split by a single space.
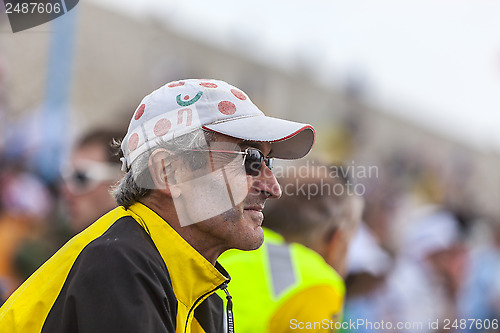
269 162
80 179
253 162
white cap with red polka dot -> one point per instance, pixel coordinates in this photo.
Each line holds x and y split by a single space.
180 107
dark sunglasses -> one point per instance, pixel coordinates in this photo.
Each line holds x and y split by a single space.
89 175
252 159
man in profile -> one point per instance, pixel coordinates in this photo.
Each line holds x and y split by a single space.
198 157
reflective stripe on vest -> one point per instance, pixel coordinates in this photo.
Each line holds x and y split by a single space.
280 267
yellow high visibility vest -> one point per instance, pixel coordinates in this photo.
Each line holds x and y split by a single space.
283 287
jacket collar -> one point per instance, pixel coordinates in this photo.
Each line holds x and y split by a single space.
191 274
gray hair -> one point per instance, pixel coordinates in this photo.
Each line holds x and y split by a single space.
138 183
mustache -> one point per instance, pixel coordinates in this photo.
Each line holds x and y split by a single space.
255 201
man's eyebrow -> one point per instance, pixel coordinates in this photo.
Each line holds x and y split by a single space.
253 144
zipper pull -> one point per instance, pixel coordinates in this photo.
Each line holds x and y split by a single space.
229 309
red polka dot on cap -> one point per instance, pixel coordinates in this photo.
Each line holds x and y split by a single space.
162 127
133 142
238 94
175 84
208 85
226 107
140 111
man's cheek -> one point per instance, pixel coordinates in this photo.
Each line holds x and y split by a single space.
210 195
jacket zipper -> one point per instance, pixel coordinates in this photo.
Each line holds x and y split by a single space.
229 308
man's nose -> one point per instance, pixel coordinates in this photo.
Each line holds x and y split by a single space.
266 182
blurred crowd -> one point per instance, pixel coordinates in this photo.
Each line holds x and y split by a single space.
424 257
38 215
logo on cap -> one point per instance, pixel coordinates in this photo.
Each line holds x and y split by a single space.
189 101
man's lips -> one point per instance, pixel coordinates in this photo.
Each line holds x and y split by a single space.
258 208
256 212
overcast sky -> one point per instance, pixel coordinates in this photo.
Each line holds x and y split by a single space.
435 62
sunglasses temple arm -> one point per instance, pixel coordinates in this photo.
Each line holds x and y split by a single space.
244 153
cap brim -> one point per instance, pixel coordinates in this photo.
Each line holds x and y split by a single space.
289 140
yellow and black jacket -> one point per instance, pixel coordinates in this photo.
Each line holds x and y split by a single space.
128 272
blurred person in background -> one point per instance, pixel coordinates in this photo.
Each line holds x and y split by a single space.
92 170
25 206
88 176
368 266
370 255
428 273
480 296
294 281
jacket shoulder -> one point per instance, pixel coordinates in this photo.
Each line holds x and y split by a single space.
119 282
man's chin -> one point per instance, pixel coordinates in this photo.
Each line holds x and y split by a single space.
256 241
257 246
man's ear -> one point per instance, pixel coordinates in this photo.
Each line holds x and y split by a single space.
163 172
